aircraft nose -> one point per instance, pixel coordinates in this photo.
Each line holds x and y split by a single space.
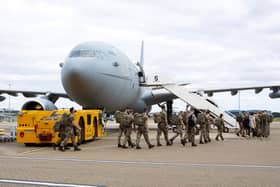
75 81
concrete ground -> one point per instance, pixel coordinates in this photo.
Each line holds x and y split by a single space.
233 162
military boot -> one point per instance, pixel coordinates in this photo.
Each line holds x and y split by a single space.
170 141
183 142
151 146
119 145
158 144
61 148
201 142
54 146
194 145
138 147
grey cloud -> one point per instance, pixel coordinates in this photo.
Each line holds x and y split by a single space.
202 42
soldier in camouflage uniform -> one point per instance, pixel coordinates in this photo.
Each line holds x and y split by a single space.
162 127
190 123
187 135
77 129
141 122
267 124
118 116
202 120
219 122
62 125
177 119
128 121
69 133
258 124
263 120
240 119
208 123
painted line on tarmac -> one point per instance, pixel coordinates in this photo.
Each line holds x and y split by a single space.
42 183
33 150
147 163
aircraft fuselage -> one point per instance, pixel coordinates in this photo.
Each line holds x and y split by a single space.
97 75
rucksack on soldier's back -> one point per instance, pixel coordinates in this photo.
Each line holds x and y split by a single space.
64 120
156 117
56 127
118 116
175 119
139 119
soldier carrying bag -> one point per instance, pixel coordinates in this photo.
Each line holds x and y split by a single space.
139 119
156 117
62 122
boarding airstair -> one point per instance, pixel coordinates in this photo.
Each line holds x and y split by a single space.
200 103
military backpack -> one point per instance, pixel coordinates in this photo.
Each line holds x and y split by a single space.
56 127
139 119
175 120
118 116
156 117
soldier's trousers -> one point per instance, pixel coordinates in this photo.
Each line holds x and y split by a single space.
187 134
203 133
127 137
267 130
191 132
142 130
162 128
263 129
208 132
61 138
220 134
178 131
121 132
78 134
241 129
69 133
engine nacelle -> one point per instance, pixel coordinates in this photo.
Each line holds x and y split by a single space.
39 104
275 94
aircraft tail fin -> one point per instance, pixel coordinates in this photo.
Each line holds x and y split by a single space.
141 73
142 55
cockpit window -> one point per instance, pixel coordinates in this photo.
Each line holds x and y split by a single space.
83 53
91 53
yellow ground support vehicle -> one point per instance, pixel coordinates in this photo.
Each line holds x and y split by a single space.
35 126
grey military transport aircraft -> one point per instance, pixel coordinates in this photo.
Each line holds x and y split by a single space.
98 75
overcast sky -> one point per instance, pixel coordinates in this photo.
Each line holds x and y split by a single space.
212 44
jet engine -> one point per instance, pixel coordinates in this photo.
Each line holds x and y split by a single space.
275 94
39 104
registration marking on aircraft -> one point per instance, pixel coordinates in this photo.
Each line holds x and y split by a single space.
147 163
42 183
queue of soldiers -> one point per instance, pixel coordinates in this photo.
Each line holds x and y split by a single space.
186 127
187 124
256 124
67 129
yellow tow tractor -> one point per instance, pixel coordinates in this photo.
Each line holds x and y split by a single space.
36 126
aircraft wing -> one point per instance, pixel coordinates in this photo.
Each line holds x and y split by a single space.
275 89
52 96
